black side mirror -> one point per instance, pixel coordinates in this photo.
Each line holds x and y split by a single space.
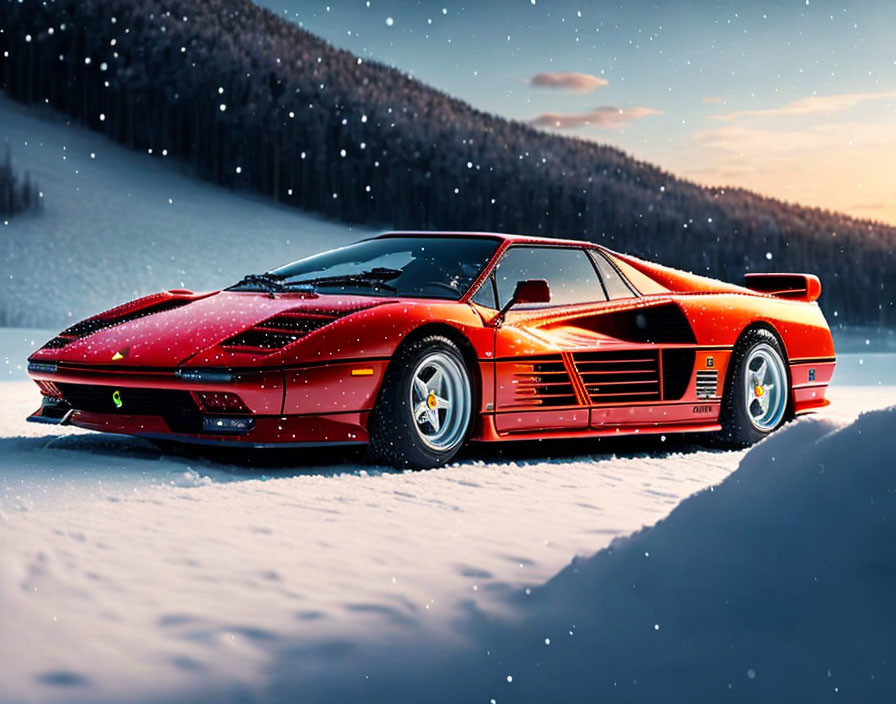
531 291
528 291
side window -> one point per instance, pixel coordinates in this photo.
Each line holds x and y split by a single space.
614 283
485 296
568 271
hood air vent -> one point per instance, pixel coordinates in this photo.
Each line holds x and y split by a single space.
279 331
115 316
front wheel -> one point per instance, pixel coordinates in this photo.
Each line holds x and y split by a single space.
424 411
757 391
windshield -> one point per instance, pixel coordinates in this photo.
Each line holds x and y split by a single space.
425 267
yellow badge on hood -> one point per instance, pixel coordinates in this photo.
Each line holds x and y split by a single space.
121 354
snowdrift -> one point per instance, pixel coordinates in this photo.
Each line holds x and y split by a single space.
776 585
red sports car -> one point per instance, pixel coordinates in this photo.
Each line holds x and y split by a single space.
414 343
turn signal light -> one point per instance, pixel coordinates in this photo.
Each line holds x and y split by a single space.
221 402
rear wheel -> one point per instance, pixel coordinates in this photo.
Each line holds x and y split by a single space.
423 414
757 391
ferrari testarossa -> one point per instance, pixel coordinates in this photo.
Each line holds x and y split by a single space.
413 343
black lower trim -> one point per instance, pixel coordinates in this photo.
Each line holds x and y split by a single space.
812 360
225 440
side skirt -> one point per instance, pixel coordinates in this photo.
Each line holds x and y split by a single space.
489 432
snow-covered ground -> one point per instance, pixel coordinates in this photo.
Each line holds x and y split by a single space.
131 574
117 224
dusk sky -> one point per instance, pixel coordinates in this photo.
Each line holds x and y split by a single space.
794 100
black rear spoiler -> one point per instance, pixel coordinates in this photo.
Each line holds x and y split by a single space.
798 287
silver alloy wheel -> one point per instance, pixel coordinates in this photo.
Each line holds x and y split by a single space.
765 381
441 401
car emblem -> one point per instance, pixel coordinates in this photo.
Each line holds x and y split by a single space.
121 354
116 398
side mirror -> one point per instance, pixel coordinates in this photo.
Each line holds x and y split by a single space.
528 291
531 291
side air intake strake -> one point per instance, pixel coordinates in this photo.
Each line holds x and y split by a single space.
279 331
543 381
140 308
630 376
616 377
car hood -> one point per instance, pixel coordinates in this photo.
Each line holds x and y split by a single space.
196 328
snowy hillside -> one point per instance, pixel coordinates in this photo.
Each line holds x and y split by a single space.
116 224
127 574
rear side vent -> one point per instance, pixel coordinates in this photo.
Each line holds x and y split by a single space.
543 382
279 331
616 377
663 323
660 324
707 383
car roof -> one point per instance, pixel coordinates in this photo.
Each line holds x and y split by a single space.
510 238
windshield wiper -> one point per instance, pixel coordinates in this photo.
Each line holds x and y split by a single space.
375 278
269 283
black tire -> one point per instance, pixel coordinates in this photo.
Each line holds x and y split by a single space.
395 437
738 429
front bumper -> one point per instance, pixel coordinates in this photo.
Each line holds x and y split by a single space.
265 431
314 405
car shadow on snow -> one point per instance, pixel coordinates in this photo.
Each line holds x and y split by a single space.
226 463
595 449
220 463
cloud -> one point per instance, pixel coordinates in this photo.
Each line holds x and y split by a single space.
606 117
712 99
576 82
739 139
812 105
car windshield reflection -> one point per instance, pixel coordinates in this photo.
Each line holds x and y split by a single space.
416 266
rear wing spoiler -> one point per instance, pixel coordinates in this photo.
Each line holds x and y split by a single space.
798 287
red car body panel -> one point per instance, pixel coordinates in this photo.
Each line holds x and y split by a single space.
174 358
